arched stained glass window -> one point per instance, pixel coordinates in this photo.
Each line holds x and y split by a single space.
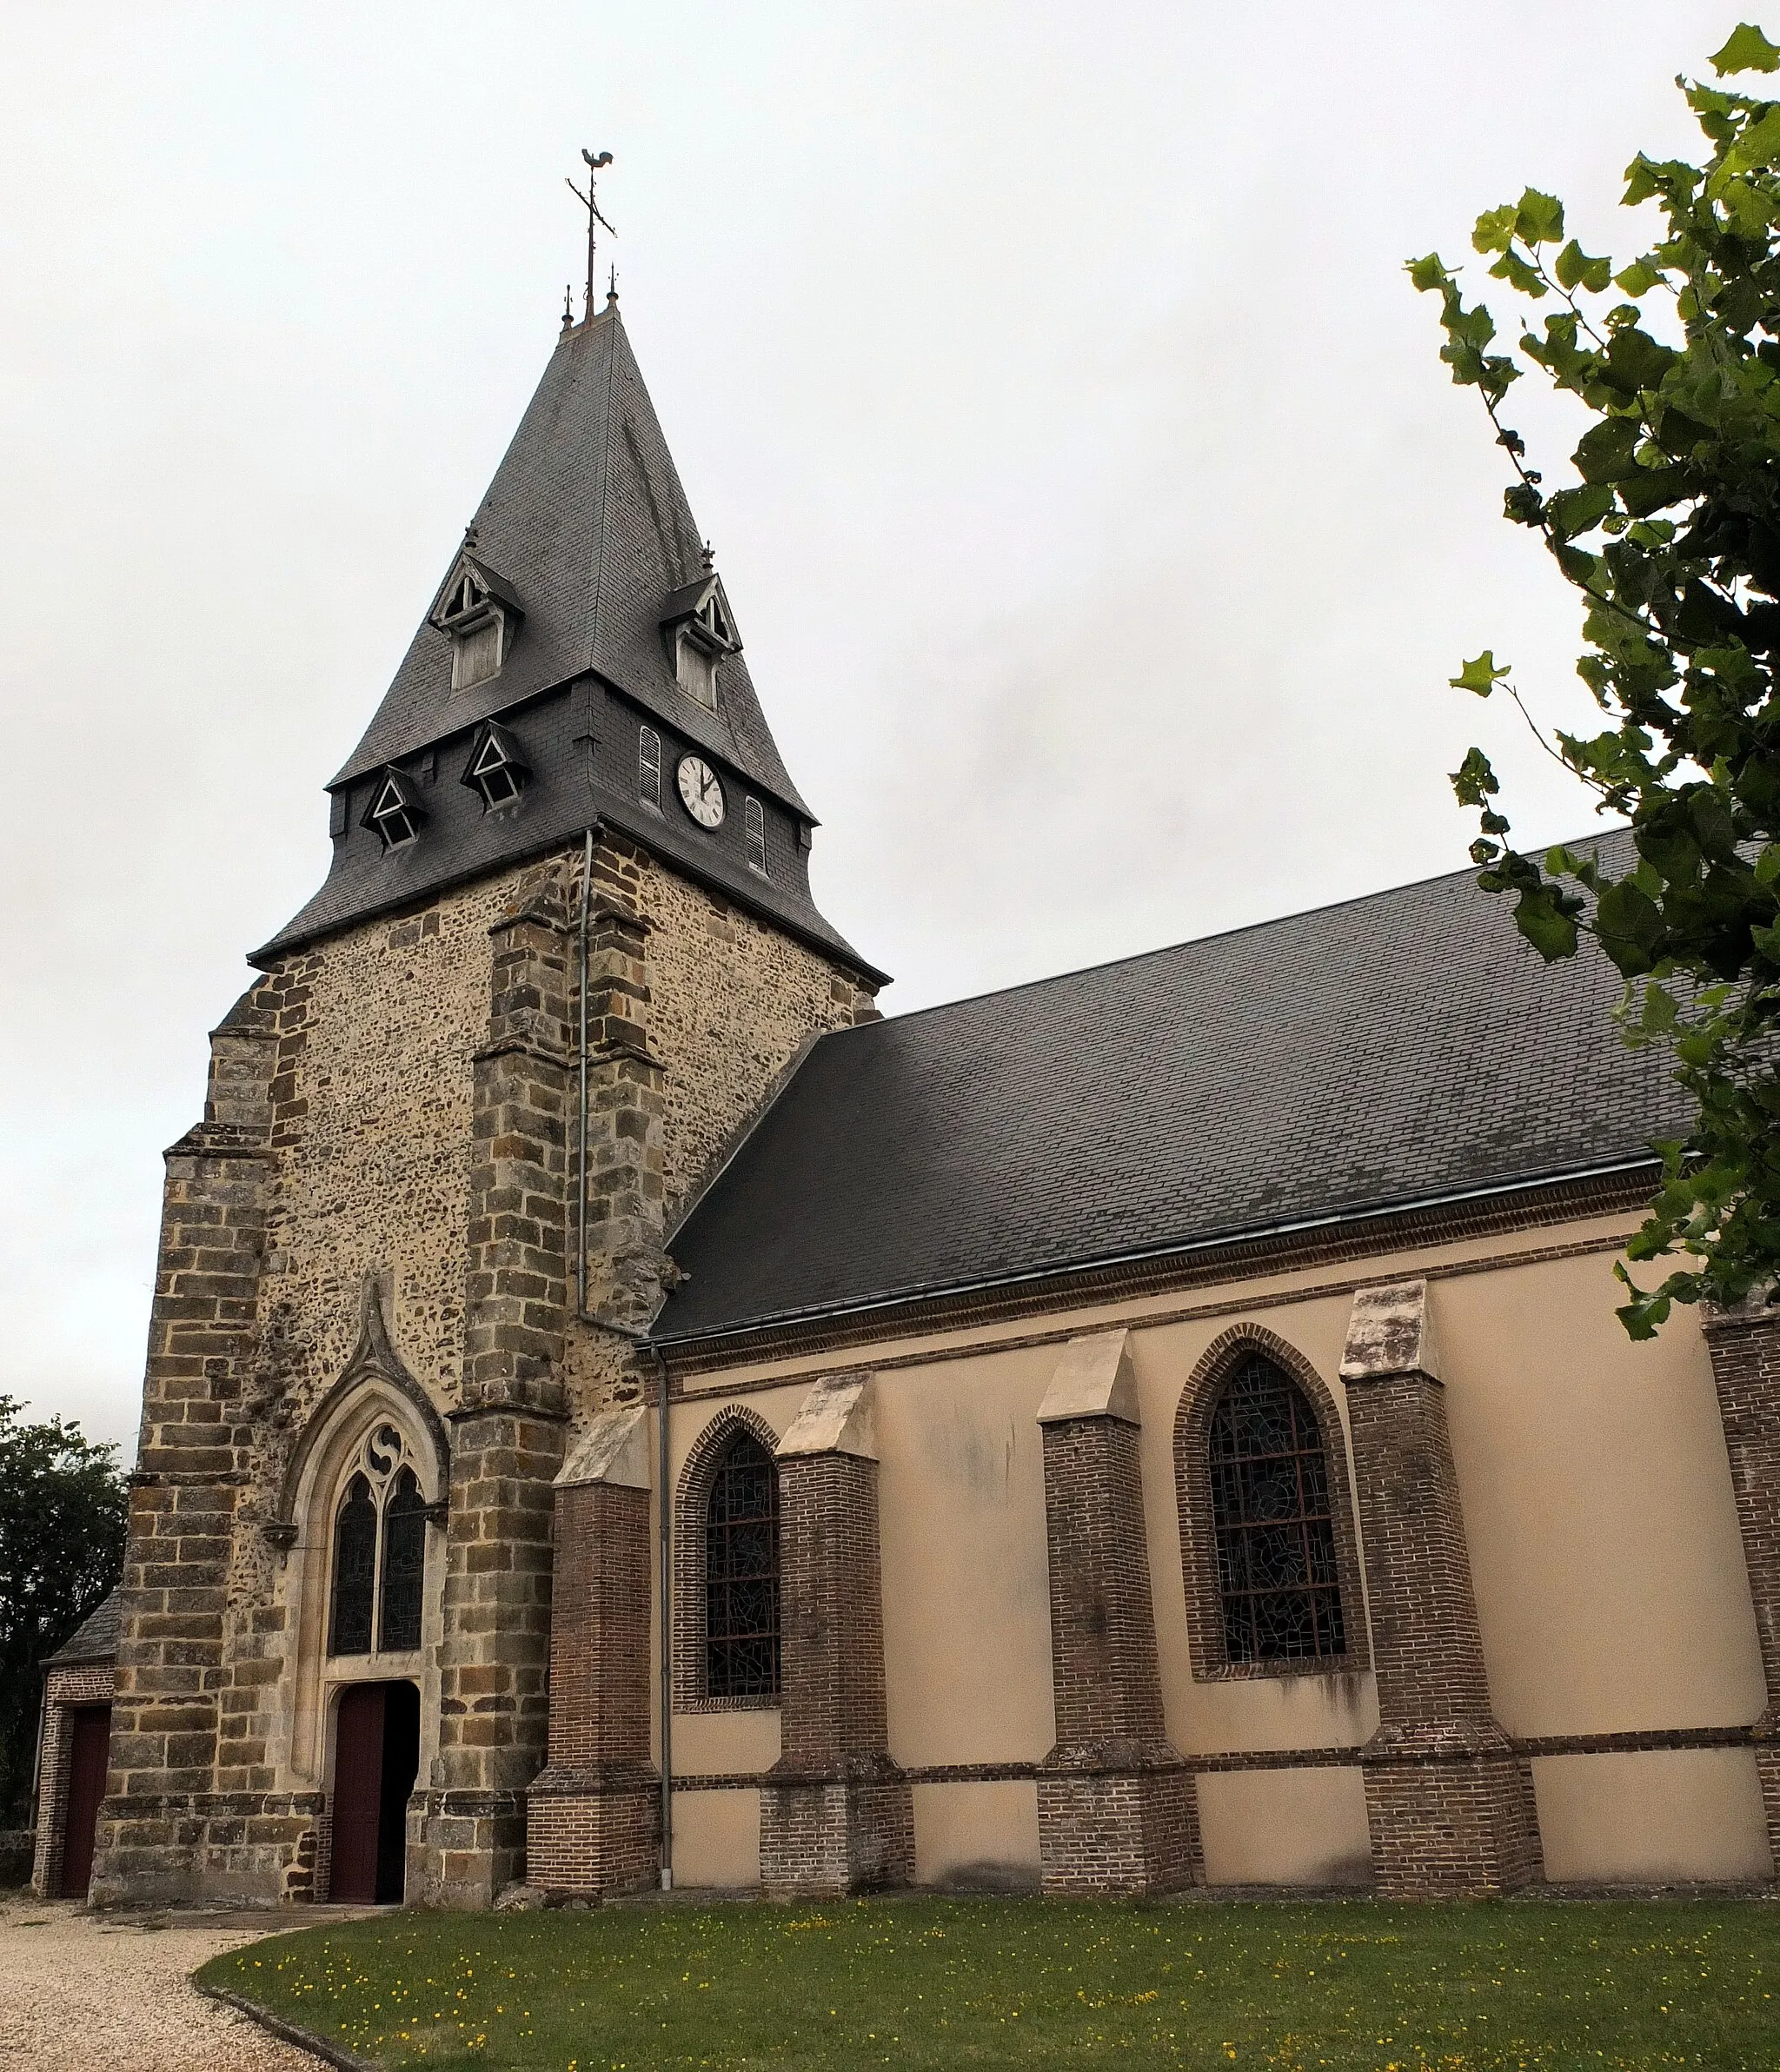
355 1570
741 1573
380 1553
404 1563
1277 1574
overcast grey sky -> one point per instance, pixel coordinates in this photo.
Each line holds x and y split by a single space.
1099 517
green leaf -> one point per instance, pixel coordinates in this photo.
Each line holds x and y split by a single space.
1759 145
1511 268
1630 925
1747 50
1427 273
1542 916
1573 512
1638 278
1474 781
1605 452
1494 229
1539 220
1481 674
1635 360
1575 269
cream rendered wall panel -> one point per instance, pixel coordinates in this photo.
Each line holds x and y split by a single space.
725 1744
1239 1713
977 1837
967 1585
1663 1816
1285 1827
1598 1508
717 1838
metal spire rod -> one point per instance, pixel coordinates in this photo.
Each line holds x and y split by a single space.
595 218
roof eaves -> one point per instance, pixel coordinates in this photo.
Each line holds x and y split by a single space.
1149 1255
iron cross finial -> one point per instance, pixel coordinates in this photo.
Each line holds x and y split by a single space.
588 201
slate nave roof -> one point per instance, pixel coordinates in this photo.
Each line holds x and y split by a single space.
1401 1048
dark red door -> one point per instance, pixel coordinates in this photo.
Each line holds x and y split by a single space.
89 1754
358 1792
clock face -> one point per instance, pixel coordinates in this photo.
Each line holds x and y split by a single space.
700 791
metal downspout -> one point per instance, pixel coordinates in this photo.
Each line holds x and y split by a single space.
580 1163
663 1514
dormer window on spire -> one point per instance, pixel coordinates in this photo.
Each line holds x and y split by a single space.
480 615
497 770
698 629
395 811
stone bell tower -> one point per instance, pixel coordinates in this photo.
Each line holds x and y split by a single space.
565 950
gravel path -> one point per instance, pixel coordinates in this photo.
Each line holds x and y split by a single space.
101 1993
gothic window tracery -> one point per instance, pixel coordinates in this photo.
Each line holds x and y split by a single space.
379 1551
741 1573
1277 1577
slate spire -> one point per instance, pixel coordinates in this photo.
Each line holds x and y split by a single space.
587 524
582 612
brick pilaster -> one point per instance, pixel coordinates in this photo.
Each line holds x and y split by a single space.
1117 1808
836 1813
1449 1804
193 1464
467 1827
594 1811
1744 1345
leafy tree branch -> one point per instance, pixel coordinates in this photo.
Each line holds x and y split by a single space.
1671 532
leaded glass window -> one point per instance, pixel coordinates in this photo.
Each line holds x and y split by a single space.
379 1548
1275 1527
355 1570
741 1573
404 1563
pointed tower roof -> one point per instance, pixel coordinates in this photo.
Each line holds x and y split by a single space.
586 526
582 613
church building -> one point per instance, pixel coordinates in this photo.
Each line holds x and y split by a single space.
620 1411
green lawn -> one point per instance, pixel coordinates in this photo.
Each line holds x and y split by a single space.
924 1981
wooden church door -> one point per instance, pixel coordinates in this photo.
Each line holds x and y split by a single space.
89 1752
358 1792
376 1754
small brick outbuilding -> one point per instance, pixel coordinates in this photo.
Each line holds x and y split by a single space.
78 1681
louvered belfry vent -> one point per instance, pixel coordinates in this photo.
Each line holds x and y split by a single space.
481 614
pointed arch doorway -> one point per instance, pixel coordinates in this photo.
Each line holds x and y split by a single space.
377 1756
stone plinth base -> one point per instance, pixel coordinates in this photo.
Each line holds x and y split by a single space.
1112 1823
1452 1814
823 1837
248 1845
594 1832
464 1847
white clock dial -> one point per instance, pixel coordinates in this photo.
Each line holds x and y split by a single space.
700 791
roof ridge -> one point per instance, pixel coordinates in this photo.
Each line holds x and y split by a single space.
1188 942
